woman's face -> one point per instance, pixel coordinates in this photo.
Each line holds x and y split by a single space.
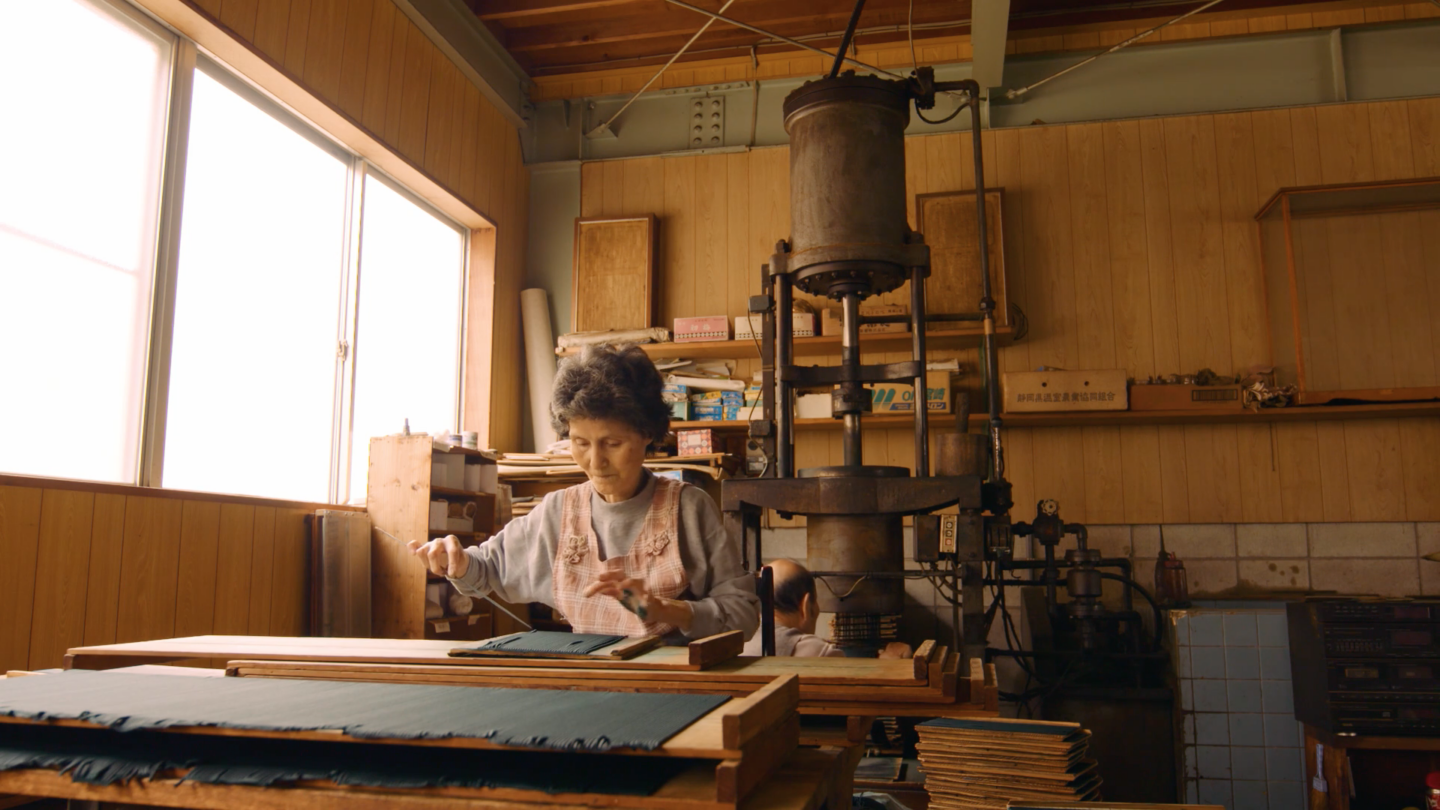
612 453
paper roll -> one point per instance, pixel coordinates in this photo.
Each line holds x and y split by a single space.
460 604
539 363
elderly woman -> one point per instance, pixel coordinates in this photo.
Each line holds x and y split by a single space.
625 553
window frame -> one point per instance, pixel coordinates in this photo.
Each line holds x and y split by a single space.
186 57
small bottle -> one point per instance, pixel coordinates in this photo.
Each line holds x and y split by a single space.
1432 791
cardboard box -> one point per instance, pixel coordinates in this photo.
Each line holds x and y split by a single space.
698 442
812 406
1184 397
674 392
898 397
680 411
696 330
831 323
1096 390
751 327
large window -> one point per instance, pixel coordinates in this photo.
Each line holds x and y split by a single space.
257 304
244 331
407 352
82 139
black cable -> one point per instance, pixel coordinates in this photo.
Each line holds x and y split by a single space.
845 41
944 120
1155 638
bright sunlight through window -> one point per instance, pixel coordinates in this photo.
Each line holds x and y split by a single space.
407 350
257 309
79 198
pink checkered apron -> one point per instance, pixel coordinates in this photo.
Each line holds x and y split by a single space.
654 557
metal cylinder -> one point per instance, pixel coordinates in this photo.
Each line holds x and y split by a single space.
856 543
962 454
847 184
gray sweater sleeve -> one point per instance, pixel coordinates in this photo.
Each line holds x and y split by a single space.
724 591
518 564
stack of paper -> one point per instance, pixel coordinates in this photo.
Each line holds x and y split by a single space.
986 764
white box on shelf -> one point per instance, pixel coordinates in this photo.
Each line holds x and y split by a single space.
453 465
812 406
439 515
459 524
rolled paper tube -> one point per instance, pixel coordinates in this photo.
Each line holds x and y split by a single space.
461 605
433 611
539 363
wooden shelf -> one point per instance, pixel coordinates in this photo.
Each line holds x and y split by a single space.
463 493
1108 418
820 346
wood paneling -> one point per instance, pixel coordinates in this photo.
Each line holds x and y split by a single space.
368 61
94 567
1128 244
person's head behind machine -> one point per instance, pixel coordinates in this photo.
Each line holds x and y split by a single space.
607 402
796 603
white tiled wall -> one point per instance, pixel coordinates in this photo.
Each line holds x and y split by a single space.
1241 742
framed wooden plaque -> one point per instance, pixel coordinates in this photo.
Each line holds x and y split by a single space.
614 273
948 221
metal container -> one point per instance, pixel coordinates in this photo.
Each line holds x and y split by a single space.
860 544
848 227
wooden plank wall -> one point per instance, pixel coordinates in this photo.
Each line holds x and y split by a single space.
1130 244
945 50
370 62
105 564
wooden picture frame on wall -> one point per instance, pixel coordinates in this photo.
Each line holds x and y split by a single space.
614 273
947 219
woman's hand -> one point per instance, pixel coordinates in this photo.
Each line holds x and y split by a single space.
444 556
636 597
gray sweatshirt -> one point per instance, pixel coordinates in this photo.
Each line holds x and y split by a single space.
518 563
792 642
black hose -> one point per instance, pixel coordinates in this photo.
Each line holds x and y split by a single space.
1155 639
845 41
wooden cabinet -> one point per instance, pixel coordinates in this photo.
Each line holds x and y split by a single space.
406 475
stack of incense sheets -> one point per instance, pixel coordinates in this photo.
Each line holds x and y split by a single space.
986 764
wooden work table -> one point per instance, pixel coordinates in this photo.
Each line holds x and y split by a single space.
927 685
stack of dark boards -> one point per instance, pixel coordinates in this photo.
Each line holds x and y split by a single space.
990 763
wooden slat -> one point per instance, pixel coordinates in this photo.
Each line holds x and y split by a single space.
297 37
262 572
232 569
44 539
272 27
199 550
107 542
414 95
354 57
289 600
149 568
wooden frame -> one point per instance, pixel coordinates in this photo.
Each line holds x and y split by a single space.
614 256
737 745
1288 289
955 290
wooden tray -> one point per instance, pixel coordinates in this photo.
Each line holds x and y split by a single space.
700 654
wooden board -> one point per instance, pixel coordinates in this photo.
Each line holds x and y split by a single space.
814 671
948 221
614 270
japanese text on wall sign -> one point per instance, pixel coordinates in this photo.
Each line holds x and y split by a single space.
1082 396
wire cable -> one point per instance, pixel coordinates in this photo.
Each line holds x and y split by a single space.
845 40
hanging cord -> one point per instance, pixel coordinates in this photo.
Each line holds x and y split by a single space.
845 40
910 33
963 104
660 72
1023 90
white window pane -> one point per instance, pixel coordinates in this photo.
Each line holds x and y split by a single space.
83 97
252 371
407 345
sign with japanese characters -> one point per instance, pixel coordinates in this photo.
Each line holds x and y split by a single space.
1096 390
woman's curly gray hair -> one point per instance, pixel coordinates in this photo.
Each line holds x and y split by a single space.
606 382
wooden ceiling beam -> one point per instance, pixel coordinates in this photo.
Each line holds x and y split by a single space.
795 18
497 10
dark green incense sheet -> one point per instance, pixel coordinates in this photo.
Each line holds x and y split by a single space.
551 719
106 757
547 642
